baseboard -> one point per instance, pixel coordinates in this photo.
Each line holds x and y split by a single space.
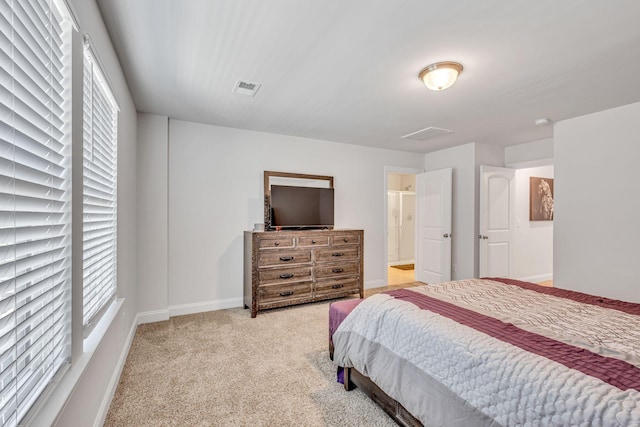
153 316
182 309
149 317
536 279
115 378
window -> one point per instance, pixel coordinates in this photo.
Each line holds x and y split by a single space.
100 116
35 203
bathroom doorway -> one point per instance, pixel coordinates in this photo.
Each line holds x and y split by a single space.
401 230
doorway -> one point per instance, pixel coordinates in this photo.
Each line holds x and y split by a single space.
527 254
400 230
401 242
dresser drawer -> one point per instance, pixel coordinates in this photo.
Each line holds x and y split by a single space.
270 258
313 241
337 254
345 239
338 286
280 275
284 292
289 267
337 270
276 242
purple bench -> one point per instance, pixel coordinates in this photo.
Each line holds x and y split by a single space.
338 311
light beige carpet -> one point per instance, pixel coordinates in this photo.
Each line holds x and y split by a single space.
223 368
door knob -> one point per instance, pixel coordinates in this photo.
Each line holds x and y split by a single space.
446 235
482 237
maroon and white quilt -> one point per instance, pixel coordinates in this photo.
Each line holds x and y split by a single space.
499 352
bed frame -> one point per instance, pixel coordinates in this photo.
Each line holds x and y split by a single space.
353 379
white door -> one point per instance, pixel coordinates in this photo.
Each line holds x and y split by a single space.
497 202
433 214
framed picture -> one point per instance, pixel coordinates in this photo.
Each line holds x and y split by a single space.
540 199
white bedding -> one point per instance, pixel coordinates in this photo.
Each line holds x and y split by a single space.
446 373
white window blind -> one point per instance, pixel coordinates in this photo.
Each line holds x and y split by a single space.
35 211
100 117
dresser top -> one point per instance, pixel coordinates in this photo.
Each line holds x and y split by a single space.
303 232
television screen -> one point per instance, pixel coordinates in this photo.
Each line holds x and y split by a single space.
301 207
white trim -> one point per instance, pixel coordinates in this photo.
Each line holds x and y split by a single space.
95 57
101 416
153 316
72 14
538 278
200 307
91 342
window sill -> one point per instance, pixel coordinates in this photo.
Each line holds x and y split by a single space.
91 342
54 400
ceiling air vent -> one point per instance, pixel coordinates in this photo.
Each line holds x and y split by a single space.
427 133
246 88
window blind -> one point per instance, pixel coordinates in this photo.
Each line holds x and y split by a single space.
100 115
35 204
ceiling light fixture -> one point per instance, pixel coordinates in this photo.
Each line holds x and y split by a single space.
440 75
543 121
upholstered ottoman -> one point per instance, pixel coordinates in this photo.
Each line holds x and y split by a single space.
338 311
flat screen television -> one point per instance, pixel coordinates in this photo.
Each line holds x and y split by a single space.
301 207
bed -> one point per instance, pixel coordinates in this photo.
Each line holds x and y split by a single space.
492 352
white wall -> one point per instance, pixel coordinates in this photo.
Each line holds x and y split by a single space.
215 178
533 240
153 221
596 236
93 376
536 153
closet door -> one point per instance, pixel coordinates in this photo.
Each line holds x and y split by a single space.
433 260
497 217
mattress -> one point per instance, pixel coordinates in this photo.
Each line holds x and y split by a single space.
498 352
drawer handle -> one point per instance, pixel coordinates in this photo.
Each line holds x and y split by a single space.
337 254
345 240
286 258
313 242
286 276
277 243
338 270
336 286
286 294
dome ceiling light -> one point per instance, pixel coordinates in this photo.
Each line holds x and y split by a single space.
440 75
543 121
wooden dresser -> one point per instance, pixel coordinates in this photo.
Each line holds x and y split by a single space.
284 268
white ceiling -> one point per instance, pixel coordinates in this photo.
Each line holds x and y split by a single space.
347 70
